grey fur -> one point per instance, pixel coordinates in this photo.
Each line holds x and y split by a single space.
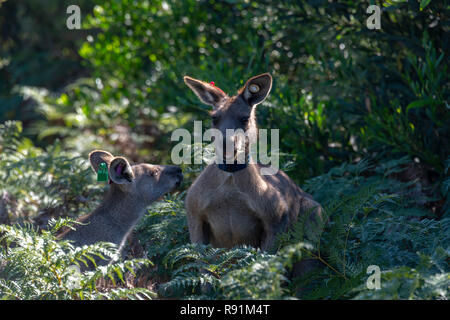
133 189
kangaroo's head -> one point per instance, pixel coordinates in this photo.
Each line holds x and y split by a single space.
236 112
144 182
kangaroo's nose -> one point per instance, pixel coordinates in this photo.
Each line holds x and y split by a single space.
175 170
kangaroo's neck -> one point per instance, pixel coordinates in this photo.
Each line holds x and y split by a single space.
242 162
248 180
121 208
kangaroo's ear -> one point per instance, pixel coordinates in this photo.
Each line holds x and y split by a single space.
256 89
120 171
98 156
206 92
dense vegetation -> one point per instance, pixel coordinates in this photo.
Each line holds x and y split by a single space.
364 127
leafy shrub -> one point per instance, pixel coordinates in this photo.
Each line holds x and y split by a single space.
37 266
374 219
43 182
164 227
265 277
377 220
430 279
197 270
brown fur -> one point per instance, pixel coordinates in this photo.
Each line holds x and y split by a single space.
243 207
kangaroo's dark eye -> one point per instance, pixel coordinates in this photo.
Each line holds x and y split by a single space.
155 173
215 120
244 120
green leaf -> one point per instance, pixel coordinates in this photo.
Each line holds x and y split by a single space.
422 103
423 4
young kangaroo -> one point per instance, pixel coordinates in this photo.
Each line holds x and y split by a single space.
234 204
132 189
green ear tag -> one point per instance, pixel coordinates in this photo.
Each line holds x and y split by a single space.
102 173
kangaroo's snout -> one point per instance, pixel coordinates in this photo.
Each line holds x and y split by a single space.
176 173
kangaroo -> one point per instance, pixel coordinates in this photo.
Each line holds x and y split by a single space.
234 204
132 189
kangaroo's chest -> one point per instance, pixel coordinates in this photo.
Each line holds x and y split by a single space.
231 218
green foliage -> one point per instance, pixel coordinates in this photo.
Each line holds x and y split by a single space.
266 277
37 266
43 181
417 127
196 270
377 220
341 91
164 228
429 280
36 49
374 219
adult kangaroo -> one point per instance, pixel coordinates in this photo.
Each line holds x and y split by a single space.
132 189
234 204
